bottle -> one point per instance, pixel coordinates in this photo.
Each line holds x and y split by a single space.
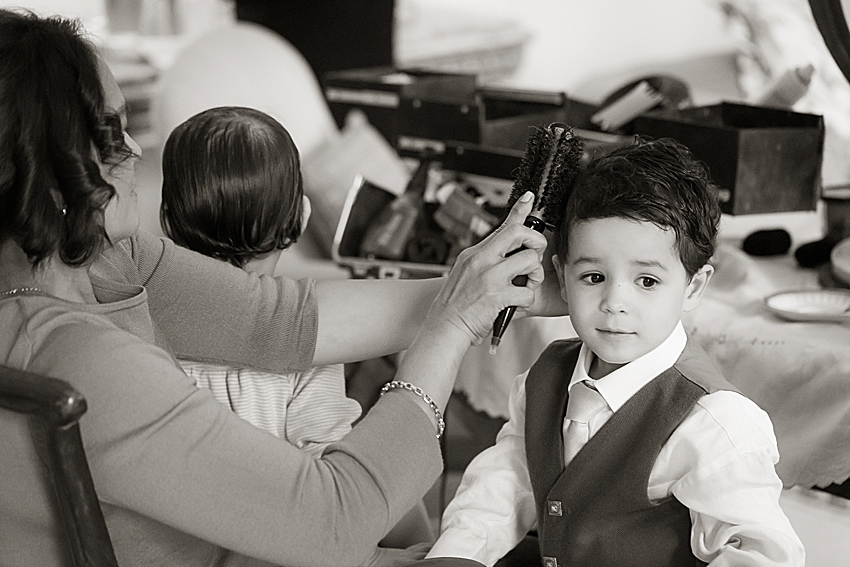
387 237
789 88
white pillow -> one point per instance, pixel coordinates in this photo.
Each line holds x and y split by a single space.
330 170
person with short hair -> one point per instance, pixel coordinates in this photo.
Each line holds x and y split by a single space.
232 190
626 446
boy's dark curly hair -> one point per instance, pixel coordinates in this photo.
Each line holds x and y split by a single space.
53 119
656 181
232 186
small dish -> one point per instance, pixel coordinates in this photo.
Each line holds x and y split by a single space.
811 305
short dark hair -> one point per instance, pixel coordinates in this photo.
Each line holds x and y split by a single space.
52 113
232 186
657 181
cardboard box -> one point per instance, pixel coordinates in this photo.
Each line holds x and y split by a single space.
765 160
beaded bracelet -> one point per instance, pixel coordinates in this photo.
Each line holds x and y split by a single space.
441 424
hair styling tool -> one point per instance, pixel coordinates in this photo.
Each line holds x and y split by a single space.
548 169
389 235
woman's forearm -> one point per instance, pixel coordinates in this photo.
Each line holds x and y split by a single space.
432 362
362 319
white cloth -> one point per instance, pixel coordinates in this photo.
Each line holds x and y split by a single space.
309 409
719 463
583 405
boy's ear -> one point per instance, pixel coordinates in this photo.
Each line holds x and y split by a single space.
695 289
559 269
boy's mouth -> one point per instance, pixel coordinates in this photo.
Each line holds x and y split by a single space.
614 332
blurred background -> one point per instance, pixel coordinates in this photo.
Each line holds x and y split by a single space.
732 50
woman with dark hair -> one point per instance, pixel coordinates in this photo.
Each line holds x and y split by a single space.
88 298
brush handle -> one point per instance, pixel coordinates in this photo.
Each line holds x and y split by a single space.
505 316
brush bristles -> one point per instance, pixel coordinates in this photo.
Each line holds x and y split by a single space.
553 152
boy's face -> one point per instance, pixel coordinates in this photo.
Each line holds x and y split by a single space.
626 287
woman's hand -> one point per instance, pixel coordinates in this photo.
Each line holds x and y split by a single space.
479 285
477 288
548 301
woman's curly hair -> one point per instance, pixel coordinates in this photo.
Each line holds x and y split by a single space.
656 181
54 118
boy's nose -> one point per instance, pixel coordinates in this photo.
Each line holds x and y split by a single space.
614 299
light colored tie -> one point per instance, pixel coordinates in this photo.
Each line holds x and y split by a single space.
584 403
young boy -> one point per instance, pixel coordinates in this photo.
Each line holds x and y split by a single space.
232 190
678 466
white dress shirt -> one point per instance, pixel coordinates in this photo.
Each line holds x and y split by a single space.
719 463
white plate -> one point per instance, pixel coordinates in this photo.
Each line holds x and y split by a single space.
814 305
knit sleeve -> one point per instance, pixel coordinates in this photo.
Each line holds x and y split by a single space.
213 312
168 458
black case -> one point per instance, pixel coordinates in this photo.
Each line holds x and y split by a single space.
380 91
765 160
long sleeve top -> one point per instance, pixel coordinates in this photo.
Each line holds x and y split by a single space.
719 463
199 309
182 480
308 409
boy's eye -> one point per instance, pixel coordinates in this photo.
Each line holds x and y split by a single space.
647 282
593 278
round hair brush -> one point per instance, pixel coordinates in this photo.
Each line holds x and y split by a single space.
548 169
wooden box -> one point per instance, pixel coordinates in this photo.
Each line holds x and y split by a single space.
765 160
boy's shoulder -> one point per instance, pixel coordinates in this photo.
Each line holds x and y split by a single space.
695 365
734 418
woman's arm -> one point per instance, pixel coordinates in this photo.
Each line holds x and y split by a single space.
170 460
362 319
209 311
206 310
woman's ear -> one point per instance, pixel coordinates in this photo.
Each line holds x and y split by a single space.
696 287
306 211
58 200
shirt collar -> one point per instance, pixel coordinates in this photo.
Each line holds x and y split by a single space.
624 382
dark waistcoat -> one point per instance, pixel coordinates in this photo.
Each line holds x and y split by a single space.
595 512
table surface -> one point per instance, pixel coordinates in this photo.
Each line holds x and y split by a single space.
799 373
